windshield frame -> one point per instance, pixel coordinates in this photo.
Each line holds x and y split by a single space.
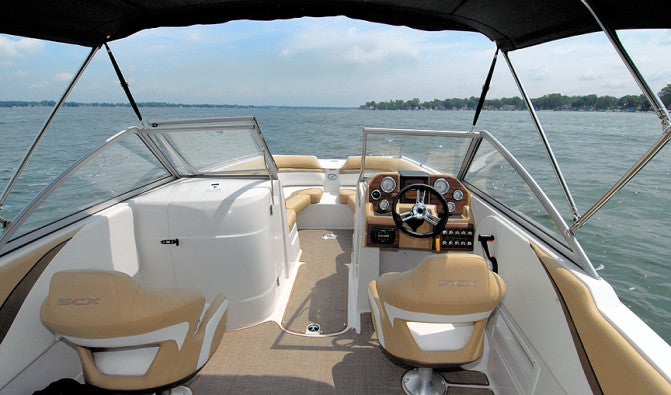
146 134
569 244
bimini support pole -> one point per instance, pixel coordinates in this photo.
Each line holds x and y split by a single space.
656 104
40 136
553 160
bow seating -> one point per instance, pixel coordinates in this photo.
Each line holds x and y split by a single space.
130 337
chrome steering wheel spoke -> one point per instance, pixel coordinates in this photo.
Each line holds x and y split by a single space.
420 213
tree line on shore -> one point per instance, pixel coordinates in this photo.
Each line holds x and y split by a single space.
552 101
51 103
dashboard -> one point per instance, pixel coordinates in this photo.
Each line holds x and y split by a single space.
383 232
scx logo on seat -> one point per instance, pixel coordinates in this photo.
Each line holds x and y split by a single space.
77 301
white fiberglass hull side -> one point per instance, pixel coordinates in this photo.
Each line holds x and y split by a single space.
229 242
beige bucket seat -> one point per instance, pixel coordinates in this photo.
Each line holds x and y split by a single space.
435 314
131 337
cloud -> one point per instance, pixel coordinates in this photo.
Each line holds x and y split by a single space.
63 77
19 47
38 85
588 75
666 38
343 42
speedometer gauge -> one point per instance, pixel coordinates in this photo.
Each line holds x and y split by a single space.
388 184
441 185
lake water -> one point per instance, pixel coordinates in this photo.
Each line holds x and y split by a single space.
628 239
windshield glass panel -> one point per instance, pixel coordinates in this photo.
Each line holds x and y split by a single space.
213 151
493 175
441 152
121 168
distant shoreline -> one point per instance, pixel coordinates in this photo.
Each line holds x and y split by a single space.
51 103
551 102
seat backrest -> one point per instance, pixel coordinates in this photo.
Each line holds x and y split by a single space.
108 304
446 284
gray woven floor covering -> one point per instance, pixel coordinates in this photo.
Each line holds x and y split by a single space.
319 294
264 359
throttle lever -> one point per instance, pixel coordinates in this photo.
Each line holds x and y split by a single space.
484 240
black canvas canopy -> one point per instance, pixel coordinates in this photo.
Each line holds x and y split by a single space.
512 24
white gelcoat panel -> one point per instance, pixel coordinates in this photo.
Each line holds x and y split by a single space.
89 249
225 244
59 361
532 301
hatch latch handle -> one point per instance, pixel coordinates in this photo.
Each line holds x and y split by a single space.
484 242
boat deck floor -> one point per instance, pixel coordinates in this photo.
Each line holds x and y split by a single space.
267 358
319 294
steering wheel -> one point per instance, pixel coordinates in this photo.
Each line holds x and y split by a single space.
419 212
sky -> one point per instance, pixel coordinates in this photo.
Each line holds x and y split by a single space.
323 62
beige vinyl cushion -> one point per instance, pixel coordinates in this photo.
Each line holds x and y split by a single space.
298 203
101 305
291 218
297 163
348 197
447 284
315 194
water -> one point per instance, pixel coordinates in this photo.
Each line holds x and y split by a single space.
629 237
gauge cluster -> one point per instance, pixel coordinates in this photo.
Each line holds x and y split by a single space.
384 187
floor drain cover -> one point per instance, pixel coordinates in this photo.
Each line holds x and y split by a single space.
313 329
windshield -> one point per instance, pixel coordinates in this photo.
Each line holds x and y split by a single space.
212 150
137 160
474 157
432 151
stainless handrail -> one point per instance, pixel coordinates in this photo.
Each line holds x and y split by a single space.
547 204
657 106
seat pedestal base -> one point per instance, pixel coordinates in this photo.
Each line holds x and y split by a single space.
423 381
180 390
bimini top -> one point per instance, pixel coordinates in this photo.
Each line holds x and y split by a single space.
512 24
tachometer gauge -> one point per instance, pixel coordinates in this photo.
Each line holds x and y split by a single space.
388 184
458 195
384 204
451 207
441 185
